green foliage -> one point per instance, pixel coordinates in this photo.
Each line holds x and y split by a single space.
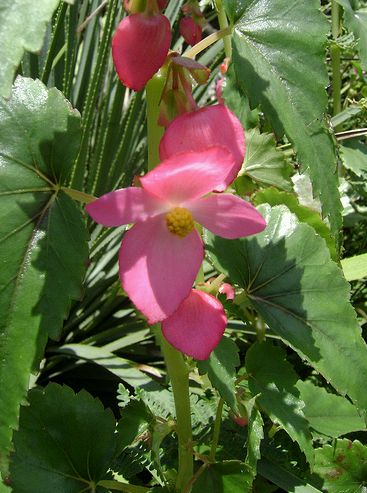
354 157
221 369
43 247
264 163
355 267
288 277
224 477
65 440
273 378
328 413
283 70
343 466
306 215
356 22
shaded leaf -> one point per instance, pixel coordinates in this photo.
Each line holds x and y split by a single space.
271 376
65 440
224 477
356 22
43 239
221 369
343 466
278 57
289 278
327 413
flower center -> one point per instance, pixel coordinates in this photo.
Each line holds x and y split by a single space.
180 222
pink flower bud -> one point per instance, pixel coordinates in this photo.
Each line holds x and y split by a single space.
228 290
240 421
190 30
139 48
219 90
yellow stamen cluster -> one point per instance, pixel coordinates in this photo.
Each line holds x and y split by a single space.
180 222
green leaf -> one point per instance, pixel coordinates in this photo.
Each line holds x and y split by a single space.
234 8
64 440
264 163
354 157
289 278
134 421
283 69
121 367
343 466
356 22
306 215
22 27
271 376
327 413
43 239
221 369
255 434
224 477
355 267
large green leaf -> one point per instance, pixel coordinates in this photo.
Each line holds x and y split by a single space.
343 466
43 241
221 369
355 267
64 440
271 376
22 27
356 22
279 61
289 278
327 413
224 477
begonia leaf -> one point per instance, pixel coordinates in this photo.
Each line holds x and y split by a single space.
224 477
289 278
65 442
22 27
343 466
356 22
271 376
221 369
283 70
43 240
330 414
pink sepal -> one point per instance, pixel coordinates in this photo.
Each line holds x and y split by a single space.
197 326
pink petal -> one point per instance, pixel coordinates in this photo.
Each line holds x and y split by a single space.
190 30
228 290
124 206
139 48
157 268
189 175
210 126
227 215
197 325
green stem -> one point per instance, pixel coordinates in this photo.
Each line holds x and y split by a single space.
223 24
154 90
216 431
335 57
179 376
206 42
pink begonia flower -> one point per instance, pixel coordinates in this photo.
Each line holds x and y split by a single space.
209 126
190 30
228 290
162 253
197 326
139 48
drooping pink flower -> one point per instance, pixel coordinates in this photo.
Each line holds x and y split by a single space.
197 326
190 30
139 48
205 127
162 253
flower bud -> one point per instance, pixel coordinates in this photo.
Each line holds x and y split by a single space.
190 30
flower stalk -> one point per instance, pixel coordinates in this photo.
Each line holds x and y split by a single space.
335 57
223 24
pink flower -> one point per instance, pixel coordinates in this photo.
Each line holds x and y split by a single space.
162 253
209 126
190 30
139 48
197 326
